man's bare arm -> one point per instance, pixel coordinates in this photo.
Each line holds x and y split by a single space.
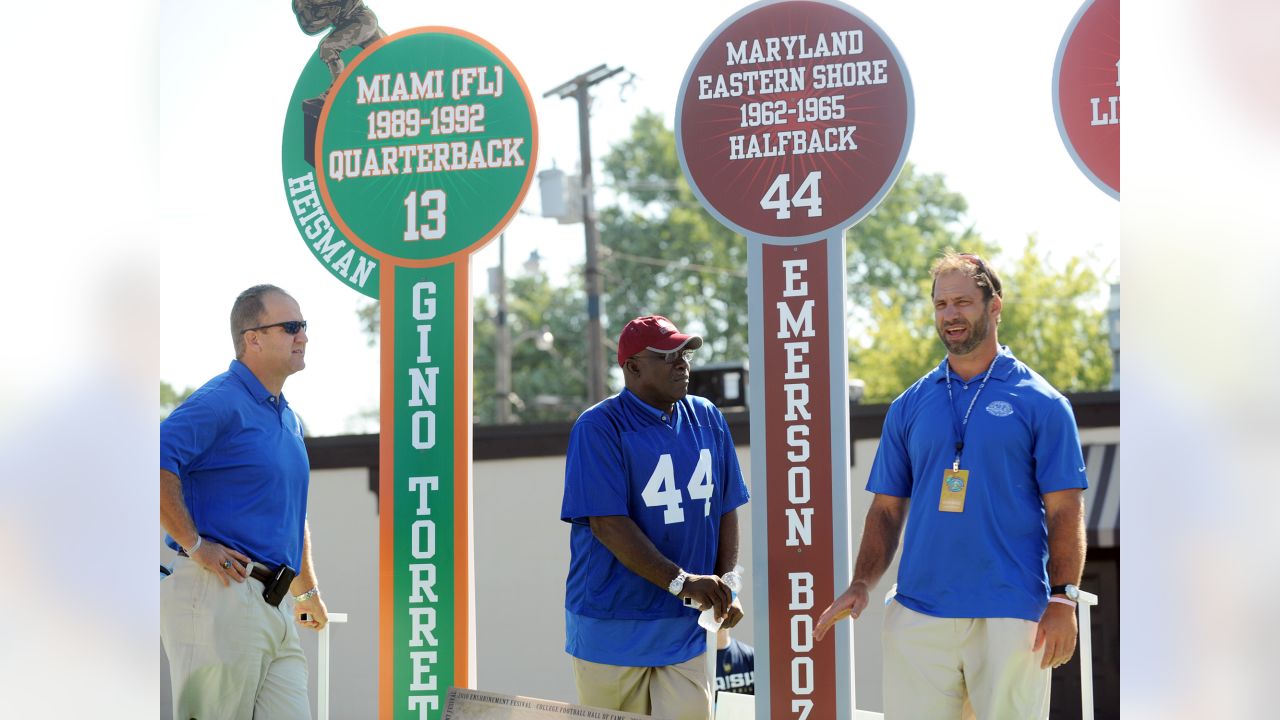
312 605
637 553
1058 627
218 559
880 535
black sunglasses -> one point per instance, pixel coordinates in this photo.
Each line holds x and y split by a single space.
293 327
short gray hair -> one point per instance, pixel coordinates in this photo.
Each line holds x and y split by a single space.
247 313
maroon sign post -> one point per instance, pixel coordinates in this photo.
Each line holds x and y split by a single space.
793 122
1086 92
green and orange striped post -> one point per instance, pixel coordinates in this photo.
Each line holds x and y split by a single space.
423 150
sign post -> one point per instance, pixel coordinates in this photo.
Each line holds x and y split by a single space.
1086 92
793 122
417 155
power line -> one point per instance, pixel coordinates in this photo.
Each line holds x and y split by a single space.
674 264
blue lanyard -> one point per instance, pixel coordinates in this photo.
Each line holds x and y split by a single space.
963 425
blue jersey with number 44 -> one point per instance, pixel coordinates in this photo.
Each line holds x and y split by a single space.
673 475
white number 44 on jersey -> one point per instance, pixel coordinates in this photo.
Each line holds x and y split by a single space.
661 489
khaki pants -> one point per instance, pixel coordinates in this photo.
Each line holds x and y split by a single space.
231 655
951 668
672 692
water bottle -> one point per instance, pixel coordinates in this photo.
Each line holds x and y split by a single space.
733 579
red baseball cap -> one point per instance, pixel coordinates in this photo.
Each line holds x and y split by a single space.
653 332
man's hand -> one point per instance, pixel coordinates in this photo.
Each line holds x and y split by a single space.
317 613
851 603
710 591
734 617
1056 634
222 561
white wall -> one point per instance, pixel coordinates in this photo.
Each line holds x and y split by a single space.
521 558
344 537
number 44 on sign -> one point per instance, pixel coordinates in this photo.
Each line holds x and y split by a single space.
807 196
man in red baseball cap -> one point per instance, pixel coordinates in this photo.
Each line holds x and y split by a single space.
656 333
652 487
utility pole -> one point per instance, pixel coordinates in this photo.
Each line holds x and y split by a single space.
502 342
577 89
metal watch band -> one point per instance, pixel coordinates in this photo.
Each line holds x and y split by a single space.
678 583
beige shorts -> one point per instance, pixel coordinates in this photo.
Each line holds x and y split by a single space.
231 655
952 668
672 692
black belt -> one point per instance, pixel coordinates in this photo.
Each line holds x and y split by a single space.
275 583
259 571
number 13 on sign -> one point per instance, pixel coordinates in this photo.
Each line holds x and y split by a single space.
807 196
433 202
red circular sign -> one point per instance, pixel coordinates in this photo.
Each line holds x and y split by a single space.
1086 92
794 119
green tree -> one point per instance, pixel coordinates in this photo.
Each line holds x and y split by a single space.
663 254
890 248
171 397
899 345
547 384
887 254
1050 320
1055 321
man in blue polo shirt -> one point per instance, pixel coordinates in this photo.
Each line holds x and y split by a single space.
233 500
981 456
651 487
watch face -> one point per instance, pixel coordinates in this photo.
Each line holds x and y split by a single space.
1073 592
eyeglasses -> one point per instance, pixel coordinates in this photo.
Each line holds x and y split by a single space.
992 281
671 356
293 327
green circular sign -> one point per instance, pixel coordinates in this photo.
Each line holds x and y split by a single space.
424 147
345 260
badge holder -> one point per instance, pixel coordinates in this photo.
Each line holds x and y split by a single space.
955 485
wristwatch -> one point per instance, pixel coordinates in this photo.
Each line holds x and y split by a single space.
678 584
1071 591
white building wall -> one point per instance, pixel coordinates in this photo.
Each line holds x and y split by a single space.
521 558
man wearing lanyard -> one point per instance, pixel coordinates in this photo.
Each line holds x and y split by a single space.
984 456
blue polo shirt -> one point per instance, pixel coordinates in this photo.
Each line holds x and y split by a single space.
243 465
674 475
989 560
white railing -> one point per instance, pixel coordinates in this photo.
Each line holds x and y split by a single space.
322 671
1084 602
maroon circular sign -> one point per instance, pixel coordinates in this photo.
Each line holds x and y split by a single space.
1086 92
794 118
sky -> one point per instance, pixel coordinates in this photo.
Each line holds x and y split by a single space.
984 119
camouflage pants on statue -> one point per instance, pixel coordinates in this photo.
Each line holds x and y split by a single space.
361 28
